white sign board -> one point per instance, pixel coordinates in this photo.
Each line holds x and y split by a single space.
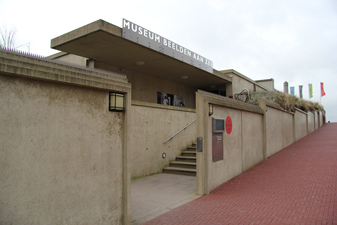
140 35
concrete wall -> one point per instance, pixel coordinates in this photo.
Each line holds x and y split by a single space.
232 164
152 125
252 139
268 83
321 119
279 129
288 132
239 84
274 127
145 87
62 153
284 128
301 128
69 58
311 122
316 116
259 88
242 148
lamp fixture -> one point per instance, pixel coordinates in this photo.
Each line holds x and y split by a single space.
210 109
116 102
140 63
184 77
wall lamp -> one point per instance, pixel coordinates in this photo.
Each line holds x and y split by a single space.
210 111
116 102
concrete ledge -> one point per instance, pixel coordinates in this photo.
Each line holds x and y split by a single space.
231 103
15 64
299 110
222 75
57 55
159 106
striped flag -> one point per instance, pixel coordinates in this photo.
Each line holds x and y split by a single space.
310 91
322 90
300 89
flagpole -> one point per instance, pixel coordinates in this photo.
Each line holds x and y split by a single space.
320 95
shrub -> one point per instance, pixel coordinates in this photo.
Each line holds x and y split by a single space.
290 102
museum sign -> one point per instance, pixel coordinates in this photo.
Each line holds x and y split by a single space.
140 35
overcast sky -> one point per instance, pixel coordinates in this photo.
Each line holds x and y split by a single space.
287 40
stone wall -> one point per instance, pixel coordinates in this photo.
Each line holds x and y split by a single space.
311 122
301 126
242 147
63 155
152 125
284 128
257 133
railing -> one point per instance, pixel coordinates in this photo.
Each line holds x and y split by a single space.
179 131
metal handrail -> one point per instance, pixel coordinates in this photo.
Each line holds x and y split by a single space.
179 131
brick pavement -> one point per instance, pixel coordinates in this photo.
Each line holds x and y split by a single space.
297 185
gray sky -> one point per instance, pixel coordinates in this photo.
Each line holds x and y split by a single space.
288 40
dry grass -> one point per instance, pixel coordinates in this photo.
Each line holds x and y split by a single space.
290 102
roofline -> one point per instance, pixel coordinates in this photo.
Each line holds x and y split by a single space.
271 79
57 55
98 25
101 25
244 77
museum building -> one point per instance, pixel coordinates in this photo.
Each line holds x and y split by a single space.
119 103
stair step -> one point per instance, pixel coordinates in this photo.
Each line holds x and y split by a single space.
183 171
192 148
189 153
182 164
186 158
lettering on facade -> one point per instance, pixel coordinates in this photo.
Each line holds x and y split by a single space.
140 35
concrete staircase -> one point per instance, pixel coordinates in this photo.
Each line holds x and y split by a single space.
186 164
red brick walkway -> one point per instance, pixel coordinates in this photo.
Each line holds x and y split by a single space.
297 185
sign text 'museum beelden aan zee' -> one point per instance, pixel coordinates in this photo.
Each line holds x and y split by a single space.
140 35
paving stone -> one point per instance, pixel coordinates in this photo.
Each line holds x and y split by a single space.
297 185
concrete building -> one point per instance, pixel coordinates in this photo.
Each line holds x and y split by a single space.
67 158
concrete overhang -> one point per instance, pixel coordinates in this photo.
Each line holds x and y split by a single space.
103 42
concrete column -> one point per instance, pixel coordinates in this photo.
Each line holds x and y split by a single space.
126 160
264 107
202 159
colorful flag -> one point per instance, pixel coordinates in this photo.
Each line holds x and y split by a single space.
322 90
292 90
300 88
310 91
